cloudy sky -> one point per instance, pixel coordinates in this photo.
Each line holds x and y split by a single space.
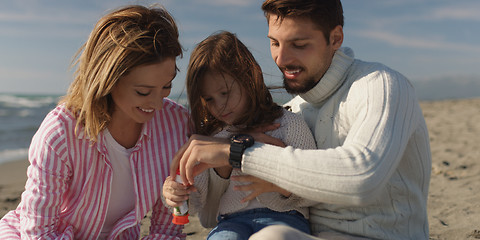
423 39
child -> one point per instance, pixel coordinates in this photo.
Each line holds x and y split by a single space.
227 95
99 158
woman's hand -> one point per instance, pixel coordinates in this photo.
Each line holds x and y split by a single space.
257 186
175 193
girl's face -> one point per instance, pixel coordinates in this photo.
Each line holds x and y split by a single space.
140 93
225 98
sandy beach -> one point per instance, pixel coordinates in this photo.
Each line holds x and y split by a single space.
454 196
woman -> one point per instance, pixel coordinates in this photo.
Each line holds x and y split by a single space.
100 157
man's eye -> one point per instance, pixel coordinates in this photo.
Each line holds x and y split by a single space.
142 94
300 46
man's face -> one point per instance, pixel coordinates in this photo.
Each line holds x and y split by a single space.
300 51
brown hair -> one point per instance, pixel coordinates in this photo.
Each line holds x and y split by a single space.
224 53
121 40
325 14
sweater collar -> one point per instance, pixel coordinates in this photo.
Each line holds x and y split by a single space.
333 78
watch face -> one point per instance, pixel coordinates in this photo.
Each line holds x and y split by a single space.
244 139
241 138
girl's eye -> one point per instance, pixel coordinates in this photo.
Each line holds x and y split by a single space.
207 99
142 94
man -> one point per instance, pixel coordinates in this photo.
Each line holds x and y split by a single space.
371 171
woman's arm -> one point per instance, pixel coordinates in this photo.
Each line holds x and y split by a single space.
47 182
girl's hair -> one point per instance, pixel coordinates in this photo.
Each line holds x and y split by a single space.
325 14
223 53
121 40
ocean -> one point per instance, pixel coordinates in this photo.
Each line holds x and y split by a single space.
21 115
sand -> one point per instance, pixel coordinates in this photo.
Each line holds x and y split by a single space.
454 196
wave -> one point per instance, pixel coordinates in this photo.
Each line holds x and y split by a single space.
27 101
9 155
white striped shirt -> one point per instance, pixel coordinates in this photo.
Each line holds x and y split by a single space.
69 179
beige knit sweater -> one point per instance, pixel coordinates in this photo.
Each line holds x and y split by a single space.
215 195
371 171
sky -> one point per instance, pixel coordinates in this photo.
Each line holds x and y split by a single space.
423 39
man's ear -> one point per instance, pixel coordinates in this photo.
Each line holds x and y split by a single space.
336 37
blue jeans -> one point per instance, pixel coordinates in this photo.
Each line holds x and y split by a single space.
239 226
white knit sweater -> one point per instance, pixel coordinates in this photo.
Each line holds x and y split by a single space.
215 195
371 172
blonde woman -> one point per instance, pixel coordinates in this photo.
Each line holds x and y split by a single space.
98 160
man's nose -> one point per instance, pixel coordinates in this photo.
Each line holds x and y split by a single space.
283 56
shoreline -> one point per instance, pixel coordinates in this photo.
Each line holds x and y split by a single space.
453 206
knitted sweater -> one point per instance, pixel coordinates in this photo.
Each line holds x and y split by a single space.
371 171
215 195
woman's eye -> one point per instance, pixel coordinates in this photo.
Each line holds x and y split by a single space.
142 94
169 86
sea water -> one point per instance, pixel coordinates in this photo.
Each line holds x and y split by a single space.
20 117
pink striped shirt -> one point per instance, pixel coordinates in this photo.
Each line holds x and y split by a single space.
69 179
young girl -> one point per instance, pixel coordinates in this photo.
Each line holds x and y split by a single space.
227 95
99 158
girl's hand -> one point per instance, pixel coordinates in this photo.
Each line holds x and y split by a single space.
257 186
199 154
175 193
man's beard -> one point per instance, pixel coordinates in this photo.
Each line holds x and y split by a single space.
308 84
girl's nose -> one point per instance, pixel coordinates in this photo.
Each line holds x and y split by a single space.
220 105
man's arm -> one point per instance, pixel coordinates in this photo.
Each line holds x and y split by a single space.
203 152
382 115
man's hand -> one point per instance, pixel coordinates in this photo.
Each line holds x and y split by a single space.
257 186
203 152
199 154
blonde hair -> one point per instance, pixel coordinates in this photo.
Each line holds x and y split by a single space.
121 40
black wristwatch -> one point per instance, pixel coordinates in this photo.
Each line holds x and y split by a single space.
238 144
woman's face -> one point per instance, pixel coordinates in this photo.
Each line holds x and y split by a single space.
225 98
140 93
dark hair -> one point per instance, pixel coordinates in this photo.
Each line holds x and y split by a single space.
224 53
121 40
325 14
